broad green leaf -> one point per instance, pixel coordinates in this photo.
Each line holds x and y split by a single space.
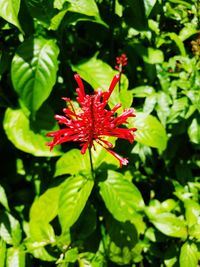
99 75
18 130
33 71
188 255
169 224
192 212
3 198
121 197
150 131
73 198
75 11
15 257
45 208
2 253
194 131
72 162
9 11
41 233
10 230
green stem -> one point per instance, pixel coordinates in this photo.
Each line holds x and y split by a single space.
91 164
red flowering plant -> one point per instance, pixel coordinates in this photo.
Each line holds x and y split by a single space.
93 122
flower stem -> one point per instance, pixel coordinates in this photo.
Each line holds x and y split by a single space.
91 164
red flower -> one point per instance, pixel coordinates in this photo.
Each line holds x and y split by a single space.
93 121
121 62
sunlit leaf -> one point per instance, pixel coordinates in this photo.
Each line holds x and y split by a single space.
18 129
188 255
150 131
9 11
73 198
33 71
121 197
10 230
45 208
170 225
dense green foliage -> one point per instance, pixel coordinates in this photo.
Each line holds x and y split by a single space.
52 213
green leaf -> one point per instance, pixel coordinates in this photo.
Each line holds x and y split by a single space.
87 7
150 131
72 162
192 212
10 230
194 231
73 198
45 208
121 197
99 75
15 257
149 4
2 252
42 254
74 11
194 131
19 132
3 198
33 71
9 11
188 255
153 56
169 224
41 233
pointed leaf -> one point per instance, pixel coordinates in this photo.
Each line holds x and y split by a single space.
73 198
33 71
169 224
18 130
121 197
150 131
10 230
45 208
9 11
188 255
